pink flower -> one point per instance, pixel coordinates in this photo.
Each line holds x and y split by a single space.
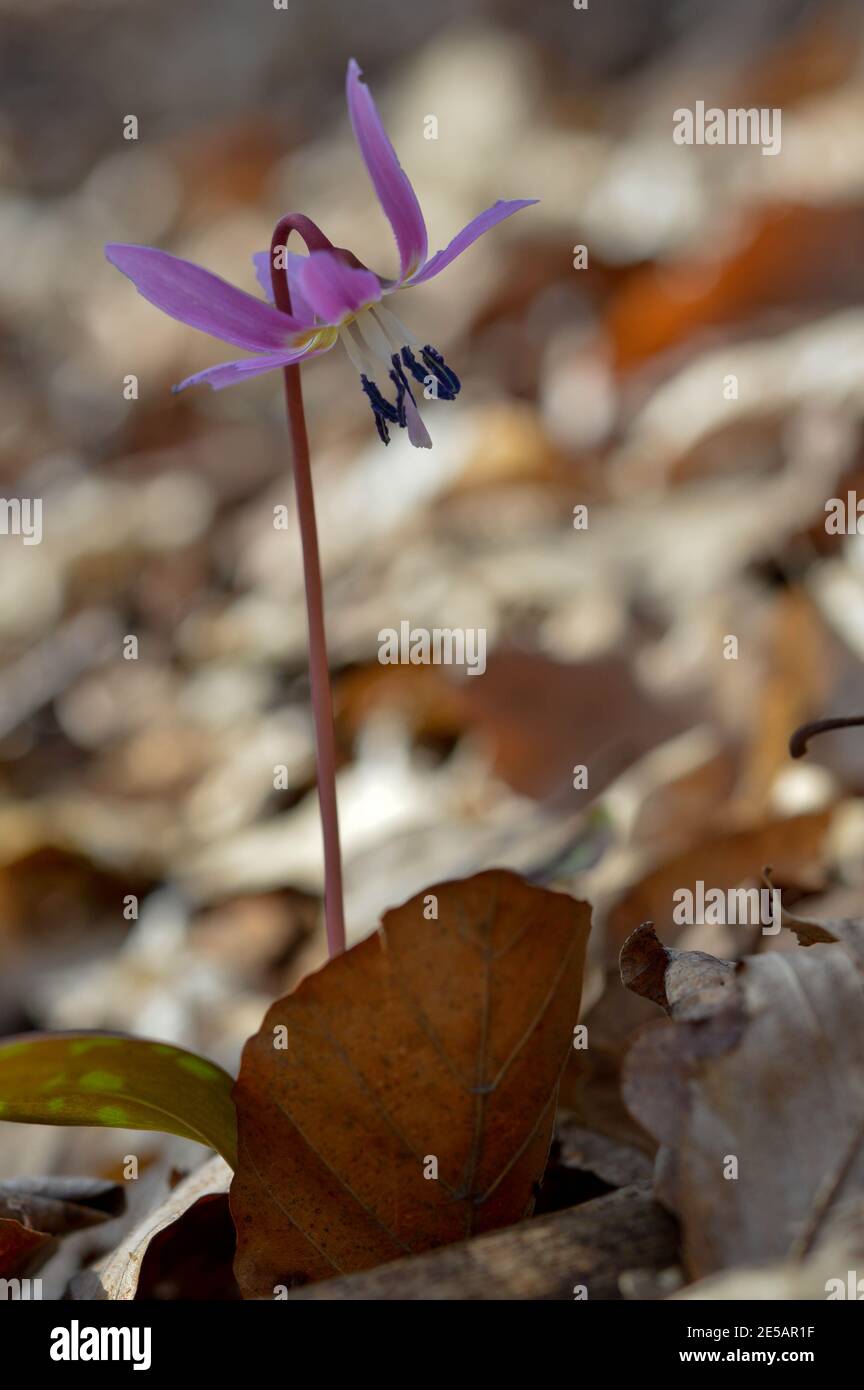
333 296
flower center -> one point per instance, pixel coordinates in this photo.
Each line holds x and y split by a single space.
378 344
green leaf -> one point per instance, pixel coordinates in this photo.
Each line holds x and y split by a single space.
118 1082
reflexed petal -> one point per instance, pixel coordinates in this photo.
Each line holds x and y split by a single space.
299 307
331 287
187 292
389 179
490 218
232 373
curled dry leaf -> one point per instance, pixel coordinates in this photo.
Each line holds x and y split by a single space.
442 1037
60 1205
848 929
117 1276
34 1211
762 1067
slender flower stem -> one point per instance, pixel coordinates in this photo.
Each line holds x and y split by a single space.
319 671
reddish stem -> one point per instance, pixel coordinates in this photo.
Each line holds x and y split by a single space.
319 671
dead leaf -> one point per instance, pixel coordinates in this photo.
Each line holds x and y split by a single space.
594 1245
825 1273
118 1275
822 922
660 307
191 1259
792 846
539 717
59 1205
438 1037
764 1066
22 1250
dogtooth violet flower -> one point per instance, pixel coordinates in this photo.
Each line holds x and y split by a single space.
333 296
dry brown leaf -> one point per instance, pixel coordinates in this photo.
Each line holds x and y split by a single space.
817 1276
596 1244
821 922
792 847
117 1276
435 1037
662 306
539 717
59 1205
764 1064
797 675
22 1250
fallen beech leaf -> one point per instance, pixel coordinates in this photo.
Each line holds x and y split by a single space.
22 1250
614 1163
830 1264
662 306
59 1205
117 1082
117 1276
436 1037
829 926
682 982
793 846
192 1259
763 1064
594 1244
528 707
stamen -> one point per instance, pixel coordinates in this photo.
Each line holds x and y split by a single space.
400 381
414 366
373 336
382 410
447 381
397 333
356 350
379 403
436 364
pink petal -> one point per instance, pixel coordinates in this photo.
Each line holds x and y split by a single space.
300 308
194 296
389 179
331 287
480 224
232 373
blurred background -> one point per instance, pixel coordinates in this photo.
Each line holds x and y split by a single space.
698 385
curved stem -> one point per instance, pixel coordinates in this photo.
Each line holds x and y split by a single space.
319 671
801 737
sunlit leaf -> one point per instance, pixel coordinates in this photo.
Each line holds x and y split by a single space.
117 1082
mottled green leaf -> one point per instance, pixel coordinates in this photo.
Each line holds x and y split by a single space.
116 1081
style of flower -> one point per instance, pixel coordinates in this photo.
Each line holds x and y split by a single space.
333 296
